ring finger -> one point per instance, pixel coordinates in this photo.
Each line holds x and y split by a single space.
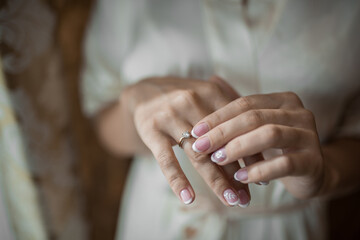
214 175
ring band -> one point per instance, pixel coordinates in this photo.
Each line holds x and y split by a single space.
185 135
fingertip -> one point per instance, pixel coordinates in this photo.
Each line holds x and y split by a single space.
193 134
200 129
194 148
244 198
235 177
186 196
244 205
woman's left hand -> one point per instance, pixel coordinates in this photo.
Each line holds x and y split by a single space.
253 124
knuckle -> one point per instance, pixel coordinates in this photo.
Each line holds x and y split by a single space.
212 88
312 137
215 117
257 173
216 182
243 103
164 160
287 165
254 118
199 159
168 112
186 96
273 132
293 97
164 115
219 134
234 146
308 116
175 181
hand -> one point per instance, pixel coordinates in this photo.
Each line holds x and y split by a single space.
253 124
162 109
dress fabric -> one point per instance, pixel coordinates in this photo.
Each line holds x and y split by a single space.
259 46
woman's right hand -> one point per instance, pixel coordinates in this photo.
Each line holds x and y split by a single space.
162 109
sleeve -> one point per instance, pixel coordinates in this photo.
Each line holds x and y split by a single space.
104 50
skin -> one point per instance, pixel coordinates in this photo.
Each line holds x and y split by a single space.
253 124
151 116
142 122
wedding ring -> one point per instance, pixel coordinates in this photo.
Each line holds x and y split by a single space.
185 135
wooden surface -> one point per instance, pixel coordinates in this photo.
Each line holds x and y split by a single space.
102 175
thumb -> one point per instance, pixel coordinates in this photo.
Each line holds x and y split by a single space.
226 87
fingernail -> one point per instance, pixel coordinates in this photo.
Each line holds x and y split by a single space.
264 183
241 175
199 130
244 198
201 145
186 196
231 198
218 156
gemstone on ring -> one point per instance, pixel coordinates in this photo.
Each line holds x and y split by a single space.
185 135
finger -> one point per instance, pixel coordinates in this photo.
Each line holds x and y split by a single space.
162 150
244 104
213 95
212 174
248 121
261 139
226 87
242 189
252 160
188 106
278 167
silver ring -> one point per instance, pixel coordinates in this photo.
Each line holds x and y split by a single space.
185 135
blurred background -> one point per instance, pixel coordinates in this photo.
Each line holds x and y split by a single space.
78 185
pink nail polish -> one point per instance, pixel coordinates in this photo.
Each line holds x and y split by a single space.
241 175
201 145
231 198
244 198
218 156
186 196
200 130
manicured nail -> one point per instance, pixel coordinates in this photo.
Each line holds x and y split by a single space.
186 196
264 183
201 145
241 175
199 130
244 198
231 198
218 156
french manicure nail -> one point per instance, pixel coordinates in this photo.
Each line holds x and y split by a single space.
186 196
241 175
218 156
244 198
231 198
199 130
201 145
264 183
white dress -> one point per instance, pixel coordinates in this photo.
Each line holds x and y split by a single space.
309 47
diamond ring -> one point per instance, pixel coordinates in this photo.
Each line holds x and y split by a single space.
185 135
